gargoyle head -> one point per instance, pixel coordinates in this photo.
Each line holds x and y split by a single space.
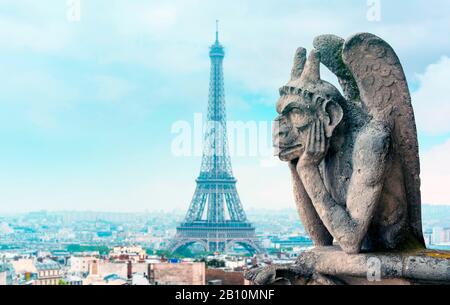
304 99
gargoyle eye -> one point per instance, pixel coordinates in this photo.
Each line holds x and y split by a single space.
288 109
302 128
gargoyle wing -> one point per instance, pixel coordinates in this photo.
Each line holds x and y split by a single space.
385 97
330 48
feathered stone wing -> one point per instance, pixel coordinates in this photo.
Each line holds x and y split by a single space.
385 96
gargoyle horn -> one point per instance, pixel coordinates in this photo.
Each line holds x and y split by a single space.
299 63
311 72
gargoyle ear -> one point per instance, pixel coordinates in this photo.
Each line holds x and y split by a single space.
333 115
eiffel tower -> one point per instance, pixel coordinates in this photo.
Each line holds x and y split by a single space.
215 218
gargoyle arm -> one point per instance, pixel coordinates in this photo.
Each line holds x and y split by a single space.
349 225
308 215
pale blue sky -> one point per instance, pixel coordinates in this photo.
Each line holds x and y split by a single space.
86 108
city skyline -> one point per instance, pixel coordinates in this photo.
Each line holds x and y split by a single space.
87 105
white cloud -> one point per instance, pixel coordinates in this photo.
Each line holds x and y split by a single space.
431 103
38 95
154 18
37 26
261 186
16 35
435 177
111 88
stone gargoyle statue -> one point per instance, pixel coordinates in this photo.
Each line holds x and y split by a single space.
354 159
353 156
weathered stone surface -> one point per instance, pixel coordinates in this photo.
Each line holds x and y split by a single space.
354 164
354 161
332 266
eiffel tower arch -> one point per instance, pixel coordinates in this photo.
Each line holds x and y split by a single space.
216 218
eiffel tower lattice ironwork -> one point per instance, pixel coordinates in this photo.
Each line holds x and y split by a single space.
215 218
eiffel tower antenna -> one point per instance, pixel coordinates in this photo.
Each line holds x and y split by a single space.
216 218
217 31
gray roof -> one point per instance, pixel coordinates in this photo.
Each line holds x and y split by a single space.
47 265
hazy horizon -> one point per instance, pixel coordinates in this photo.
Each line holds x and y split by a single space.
177 211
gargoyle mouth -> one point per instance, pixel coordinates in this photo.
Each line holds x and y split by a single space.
281 151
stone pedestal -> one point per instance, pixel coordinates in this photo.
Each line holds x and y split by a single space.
332 266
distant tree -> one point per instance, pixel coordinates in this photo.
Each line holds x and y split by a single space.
200 260
160 253
216 263
103 250
62 283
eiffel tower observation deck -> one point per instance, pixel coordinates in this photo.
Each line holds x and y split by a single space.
216 219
